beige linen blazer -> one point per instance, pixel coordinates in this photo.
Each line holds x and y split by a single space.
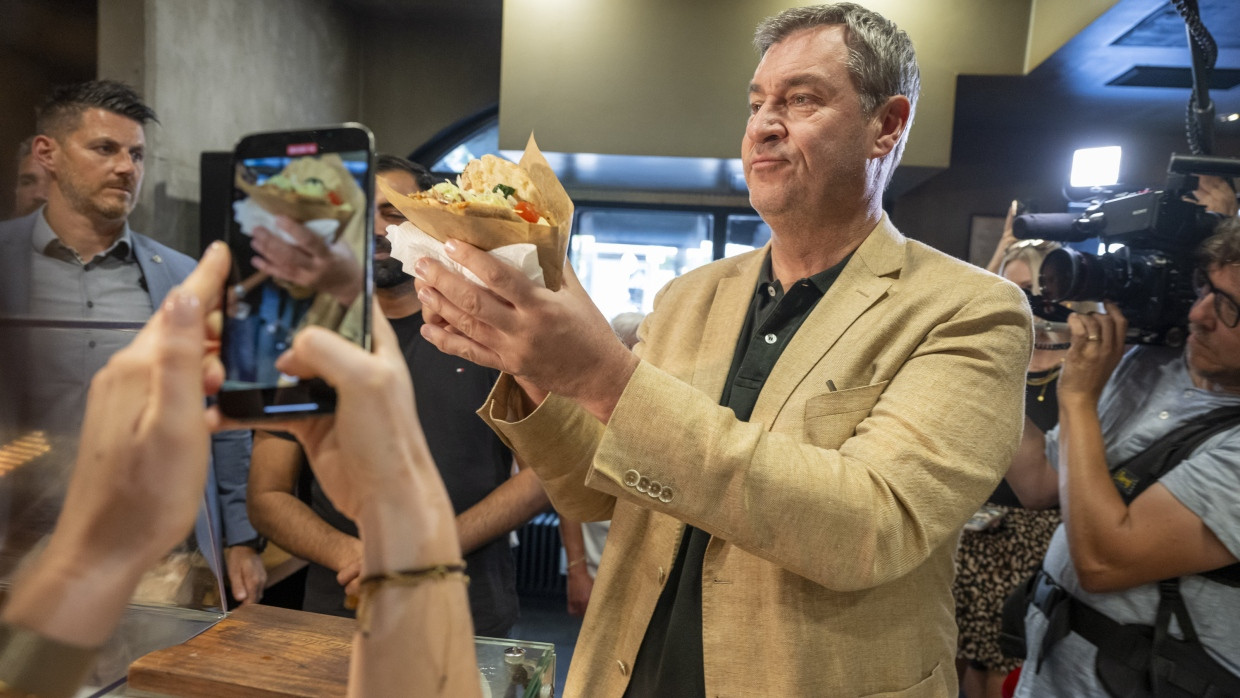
834 513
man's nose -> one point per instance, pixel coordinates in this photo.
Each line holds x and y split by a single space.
765 125
1202 313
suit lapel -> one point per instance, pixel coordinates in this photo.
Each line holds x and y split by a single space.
724 323
15 253
155 271
863 282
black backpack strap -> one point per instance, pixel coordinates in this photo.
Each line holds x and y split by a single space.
1135 475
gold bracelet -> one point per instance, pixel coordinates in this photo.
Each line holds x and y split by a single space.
578 561
406 578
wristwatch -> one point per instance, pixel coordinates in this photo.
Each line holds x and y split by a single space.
258 543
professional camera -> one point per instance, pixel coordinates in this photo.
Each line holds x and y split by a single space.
1150 277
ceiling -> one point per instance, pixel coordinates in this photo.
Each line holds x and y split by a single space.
1070 89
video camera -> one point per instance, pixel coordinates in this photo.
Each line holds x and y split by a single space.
1150 277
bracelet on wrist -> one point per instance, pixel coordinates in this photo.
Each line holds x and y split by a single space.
578 561
405 578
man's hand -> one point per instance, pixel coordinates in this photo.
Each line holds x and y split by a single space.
312 263
1215 194
1005 241
580 585
1097 347
246 574
557 341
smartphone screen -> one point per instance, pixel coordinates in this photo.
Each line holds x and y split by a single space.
300 231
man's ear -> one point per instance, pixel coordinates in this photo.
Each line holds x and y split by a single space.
43 148
890 121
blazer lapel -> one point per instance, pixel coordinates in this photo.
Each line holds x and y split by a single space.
15 254
724 323
155 271
863 282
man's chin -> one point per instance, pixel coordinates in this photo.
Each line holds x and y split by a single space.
390 276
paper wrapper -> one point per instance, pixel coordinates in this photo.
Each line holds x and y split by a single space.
300 208
487 234
409 244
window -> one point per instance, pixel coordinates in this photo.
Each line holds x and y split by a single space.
624 256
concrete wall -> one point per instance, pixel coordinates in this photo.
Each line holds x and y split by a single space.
214 71
217 70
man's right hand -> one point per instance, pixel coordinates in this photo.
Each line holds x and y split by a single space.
557 341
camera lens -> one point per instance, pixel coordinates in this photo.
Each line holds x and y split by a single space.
1069 275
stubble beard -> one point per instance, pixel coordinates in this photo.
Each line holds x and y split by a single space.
390 274
100 207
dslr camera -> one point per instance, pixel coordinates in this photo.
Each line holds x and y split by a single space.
1150 276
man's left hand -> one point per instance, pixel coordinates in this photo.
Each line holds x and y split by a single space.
1097 347
558 341
246 574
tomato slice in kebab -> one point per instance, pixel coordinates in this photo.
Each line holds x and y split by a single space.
527 211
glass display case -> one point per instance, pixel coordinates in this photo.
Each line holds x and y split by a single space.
45 370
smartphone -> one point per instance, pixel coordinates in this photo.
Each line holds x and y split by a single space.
300 228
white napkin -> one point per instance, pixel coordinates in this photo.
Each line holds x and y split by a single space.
410 243
250 215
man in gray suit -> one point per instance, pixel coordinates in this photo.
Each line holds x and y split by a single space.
75 284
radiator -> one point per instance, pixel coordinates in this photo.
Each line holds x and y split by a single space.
538 557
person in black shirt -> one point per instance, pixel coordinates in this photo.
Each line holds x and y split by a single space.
474 464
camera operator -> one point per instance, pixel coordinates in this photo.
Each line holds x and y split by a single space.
1141 558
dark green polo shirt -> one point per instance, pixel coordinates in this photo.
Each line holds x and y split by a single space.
669 662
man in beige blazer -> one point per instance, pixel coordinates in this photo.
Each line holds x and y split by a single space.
788 455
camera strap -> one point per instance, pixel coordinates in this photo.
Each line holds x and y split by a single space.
1135 475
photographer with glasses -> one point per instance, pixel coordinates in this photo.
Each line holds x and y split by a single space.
1140 590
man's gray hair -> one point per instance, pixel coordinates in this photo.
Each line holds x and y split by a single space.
881 59
1223 247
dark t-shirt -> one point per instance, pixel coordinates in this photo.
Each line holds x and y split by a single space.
472 462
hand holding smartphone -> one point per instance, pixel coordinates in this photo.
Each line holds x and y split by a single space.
301 235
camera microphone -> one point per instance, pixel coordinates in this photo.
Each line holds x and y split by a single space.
1048 226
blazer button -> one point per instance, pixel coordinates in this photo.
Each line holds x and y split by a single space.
654 490
624 668
665 495
643 485
631 477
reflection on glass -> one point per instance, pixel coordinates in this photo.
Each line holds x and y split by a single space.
624 256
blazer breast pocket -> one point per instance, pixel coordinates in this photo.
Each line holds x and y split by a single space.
831 418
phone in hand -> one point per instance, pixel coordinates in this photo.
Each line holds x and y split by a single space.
301 234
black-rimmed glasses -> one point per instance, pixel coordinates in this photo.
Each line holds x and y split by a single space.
1225 306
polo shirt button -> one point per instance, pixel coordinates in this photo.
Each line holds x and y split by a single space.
1164 414
157 259
770 290
91 344
624 668
90 304
631 477
771 339
666 495
643 485
654 490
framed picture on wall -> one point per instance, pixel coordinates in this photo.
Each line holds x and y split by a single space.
984 234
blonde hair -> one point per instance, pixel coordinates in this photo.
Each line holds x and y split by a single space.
1031 252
